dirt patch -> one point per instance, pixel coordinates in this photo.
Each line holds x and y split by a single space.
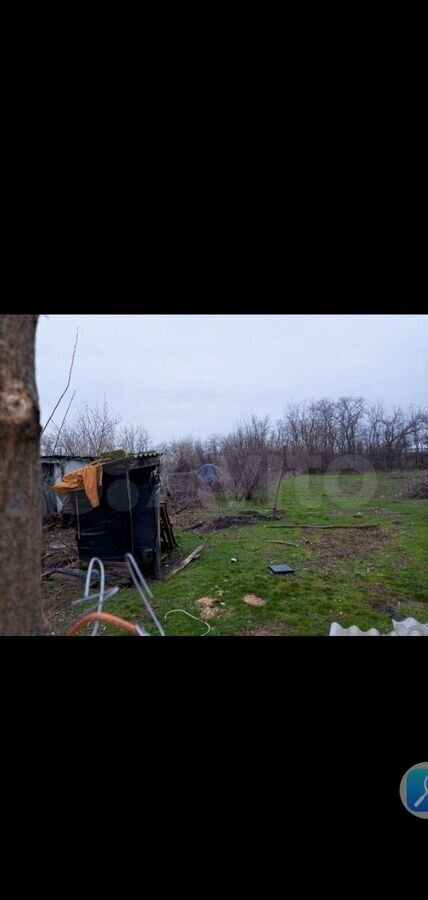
346 544
393 607
185 517
59 547
238 521
390 609
252 600
59 550
209 607
274 629
57 596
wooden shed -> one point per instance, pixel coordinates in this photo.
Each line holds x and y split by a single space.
125 516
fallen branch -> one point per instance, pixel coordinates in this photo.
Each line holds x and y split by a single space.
321 526
191 527
182 565
289 543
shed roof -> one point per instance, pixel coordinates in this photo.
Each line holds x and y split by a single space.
55 456
131 456
133 461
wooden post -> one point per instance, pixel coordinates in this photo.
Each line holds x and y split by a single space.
281 474
158 526
128 486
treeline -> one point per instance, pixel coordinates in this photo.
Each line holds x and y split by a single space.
327 429
93 431
309 437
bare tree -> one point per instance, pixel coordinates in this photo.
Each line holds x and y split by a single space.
92 432
63 423
188 454
327 429
212 448
20 480
181 456
349 413
373 441
299 431
401 434
325 413
47 442
419 433
245 452
133 438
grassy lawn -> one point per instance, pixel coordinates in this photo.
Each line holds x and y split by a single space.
350 576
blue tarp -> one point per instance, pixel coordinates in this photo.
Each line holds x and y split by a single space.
210 474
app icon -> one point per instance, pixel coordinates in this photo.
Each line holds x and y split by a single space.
414 790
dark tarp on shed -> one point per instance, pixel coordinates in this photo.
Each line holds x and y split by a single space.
126 521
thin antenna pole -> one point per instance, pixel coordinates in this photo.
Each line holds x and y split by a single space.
68 384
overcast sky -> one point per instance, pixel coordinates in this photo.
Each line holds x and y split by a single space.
179 375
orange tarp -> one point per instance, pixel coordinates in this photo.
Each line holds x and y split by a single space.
87 479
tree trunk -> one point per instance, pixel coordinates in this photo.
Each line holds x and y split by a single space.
20 480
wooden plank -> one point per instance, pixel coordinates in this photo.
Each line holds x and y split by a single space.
321 526
166 522
182 565
289 543
170 533
164 533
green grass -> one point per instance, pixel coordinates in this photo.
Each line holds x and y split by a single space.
352 577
